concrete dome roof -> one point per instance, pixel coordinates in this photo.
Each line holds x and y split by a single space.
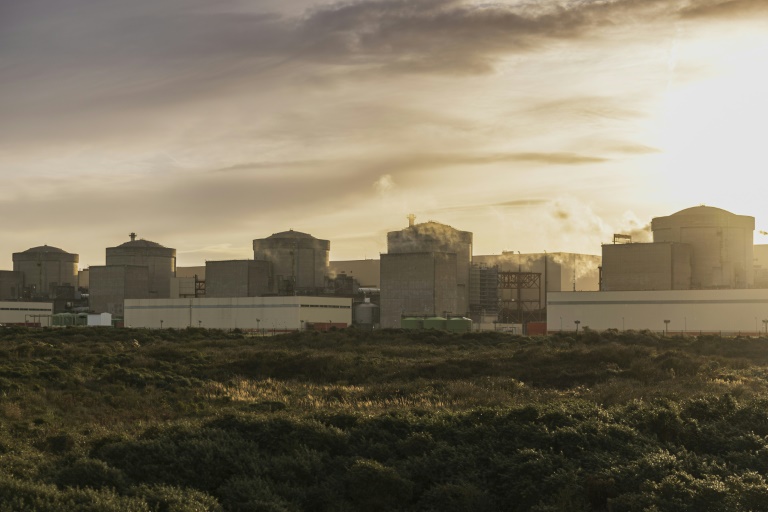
703 210
141 243
45 248
291 234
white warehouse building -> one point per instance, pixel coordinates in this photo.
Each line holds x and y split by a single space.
286 313
26 313
727 312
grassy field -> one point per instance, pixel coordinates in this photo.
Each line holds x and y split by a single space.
193 420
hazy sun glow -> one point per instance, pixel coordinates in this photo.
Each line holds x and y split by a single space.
713 128
536 125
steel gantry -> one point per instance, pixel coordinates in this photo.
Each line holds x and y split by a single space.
520 310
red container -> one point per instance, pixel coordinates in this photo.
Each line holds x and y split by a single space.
536 328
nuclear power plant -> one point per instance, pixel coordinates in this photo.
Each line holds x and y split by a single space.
698 248
697 276
137 269
299 261
701 273
46 271
426 272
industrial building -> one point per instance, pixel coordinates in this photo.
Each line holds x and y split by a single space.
367 273
265 314
112 284
11 285
137 269
484 291
687 312
26 313
426 272
49 272
760 252
299 261
239 278
697 248
701 274
160 263
524 280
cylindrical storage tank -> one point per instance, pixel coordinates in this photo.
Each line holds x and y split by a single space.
721 245
435 322
299 261
366 313
411 323
160 263
46 268
459 324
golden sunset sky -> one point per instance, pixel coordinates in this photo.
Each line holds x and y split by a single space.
537 125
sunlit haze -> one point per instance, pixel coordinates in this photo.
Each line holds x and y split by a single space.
535 125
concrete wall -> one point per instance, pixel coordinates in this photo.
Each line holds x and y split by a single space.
418 284
646 266
265 313
760 252
367 272
11 285
182 287
21 312
111 285
689 311
84 278
238 278
433 237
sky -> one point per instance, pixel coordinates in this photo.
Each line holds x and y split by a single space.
537 125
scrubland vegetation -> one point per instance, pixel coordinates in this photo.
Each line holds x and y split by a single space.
195 420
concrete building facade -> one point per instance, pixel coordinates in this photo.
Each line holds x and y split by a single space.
717 243
160 263
299 261
11 285
275 314
418 284
45 270
238 278
688 311
647 266
38 313
721 245
439 238
112 284
426 272
761 265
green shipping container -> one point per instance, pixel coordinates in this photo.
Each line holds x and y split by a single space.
411 323
460 324
436 322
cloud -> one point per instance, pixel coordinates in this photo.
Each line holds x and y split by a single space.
724 9
384 184
520 203
83 67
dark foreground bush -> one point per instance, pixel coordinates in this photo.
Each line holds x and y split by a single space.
396 420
